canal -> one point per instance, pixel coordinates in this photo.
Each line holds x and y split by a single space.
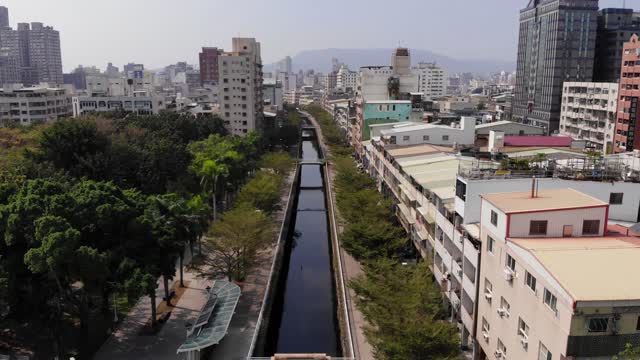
304 316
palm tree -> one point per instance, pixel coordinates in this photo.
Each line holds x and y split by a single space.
210 174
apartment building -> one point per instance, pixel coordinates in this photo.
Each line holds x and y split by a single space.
241 97
383 83
589 113
432 80
543 296
26 105
627 132
208 58
141 103
346 80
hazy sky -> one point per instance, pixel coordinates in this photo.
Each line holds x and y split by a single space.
161 32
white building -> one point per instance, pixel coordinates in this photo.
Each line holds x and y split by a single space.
272 93
240 97
410 133
140 103
432 81
346 80
25 105
589 113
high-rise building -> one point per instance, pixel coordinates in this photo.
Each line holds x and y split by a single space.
4 17
240 86
627 132
209 65
41 59
112 70
285 65
615 27
556 44
346 80
432 81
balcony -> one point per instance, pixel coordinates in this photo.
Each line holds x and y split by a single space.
599 345
444 224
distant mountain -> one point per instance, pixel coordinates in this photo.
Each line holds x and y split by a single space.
320 60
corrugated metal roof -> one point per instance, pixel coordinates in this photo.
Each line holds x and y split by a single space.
538 141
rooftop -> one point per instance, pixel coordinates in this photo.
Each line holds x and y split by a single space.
557 199
423 149
408 102
503 122
571 262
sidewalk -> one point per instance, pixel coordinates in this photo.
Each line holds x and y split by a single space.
351 270
128 343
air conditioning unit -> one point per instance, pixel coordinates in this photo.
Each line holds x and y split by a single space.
485 336
502 312
499 354
508 275
447 275
488 296
524 341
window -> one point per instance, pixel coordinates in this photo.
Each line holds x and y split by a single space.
511 263
485 325
615 198
502 348
406 138
550 299
445 137
494 218
488 289
530 280
638 324
600 324
538 227
505 305
590 227
543 353
425 138
523 328
490 243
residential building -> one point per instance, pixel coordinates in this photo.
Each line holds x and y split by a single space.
241 99
541 295
383 83
432 81
209 65
112 70
41 59
331 82
589 113
272 93
627 131
437 198
285 65
460 105
410 133
346 80
556 44
26 105
140 103
615 27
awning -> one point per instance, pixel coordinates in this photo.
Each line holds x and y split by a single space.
214 318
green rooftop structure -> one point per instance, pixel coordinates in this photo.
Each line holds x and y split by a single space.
212 323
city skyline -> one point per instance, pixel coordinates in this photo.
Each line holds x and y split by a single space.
96 40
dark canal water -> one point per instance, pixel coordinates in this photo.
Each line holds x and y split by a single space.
304 317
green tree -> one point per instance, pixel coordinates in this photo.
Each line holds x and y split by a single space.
236 240
367 240
403 307
143 283
262 191
629 353
279 162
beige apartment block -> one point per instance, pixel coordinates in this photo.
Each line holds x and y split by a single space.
553 278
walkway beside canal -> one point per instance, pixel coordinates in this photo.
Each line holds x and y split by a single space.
351 268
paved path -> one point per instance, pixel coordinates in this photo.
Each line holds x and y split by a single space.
350 267
126 343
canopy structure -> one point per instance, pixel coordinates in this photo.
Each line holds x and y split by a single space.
215 316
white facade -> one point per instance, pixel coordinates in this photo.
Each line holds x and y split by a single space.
272 92
433 80
589 113
140 103
408 133
346 80
25 105
509 128
240 97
